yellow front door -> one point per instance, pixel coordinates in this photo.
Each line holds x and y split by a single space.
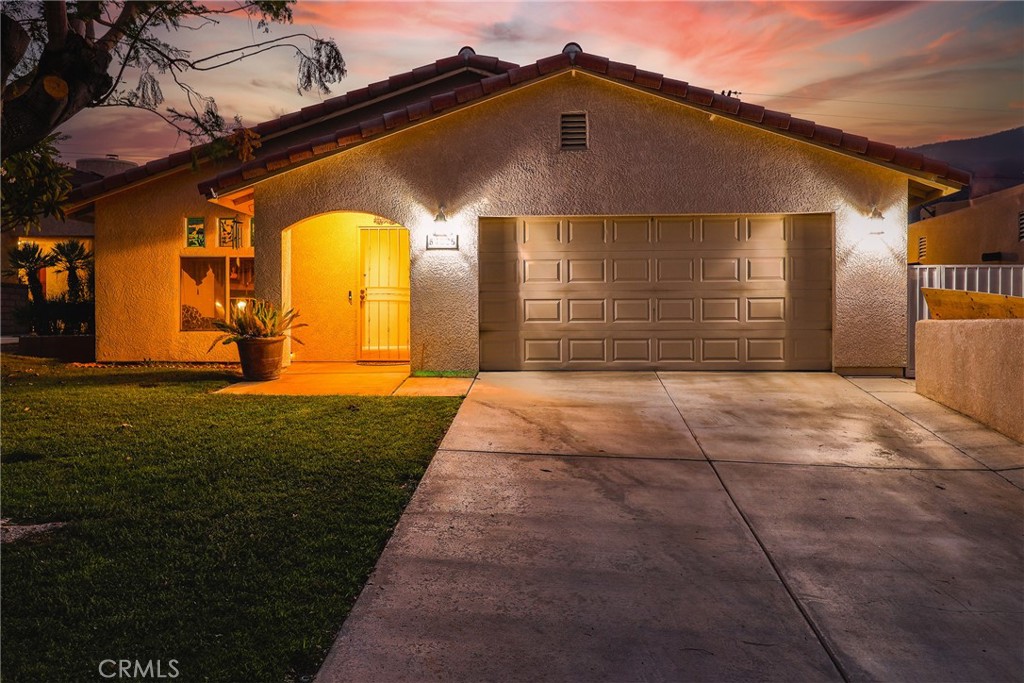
384 298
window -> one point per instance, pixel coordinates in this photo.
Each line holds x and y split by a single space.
574 131
241 281
202 293
1020 226
922 248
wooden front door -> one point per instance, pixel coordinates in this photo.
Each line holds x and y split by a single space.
384 297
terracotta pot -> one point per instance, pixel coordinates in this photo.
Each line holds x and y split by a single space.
261 358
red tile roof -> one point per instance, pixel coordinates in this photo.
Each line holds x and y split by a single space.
507 75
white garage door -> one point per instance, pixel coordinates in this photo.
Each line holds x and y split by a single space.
662 292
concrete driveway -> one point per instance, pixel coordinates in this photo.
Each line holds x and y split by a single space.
701 526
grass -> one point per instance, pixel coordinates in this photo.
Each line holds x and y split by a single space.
230 533
444 373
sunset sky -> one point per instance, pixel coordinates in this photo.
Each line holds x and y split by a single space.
907 73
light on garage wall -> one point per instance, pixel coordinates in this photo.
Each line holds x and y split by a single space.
442 237
875 214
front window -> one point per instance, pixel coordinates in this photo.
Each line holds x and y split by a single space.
241 280
203 290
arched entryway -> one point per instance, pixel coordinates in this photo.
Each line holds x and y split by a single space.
349 280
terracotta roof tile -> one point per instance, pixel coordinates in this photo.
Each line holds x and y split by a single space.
671 86
494 83
751 112
523 73
904 157
801 127
647 79
346 136
592 63
700 95
881 150
553 63
506 75
417 110
854 143
373 126
481 62
450 63
399 81
443 101
469 92
621 71
776 119
422 73
828 135
393 119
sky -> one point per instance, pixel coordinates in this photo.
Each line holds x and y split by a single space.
906 73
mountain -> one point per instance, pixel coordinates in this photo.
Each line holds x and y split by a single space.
995 161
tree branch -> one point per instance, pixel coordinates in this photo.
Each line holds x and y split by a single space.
56 14
121 25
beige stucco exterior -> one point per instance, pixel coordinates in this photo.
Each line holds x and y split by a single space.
975 367
989 224
647 156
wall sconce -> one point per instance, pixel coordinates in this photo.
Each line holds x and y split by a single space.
440 217
875 214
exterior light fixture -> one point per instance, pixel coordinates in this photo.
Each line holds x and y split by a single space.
241 304
875 214
440 217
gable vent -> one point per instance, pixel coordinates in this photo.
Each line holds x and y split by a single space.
574 131
1020 226
922 248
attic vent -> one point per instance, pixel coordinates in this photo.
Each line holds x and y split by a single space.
1020 226
922 248
574 131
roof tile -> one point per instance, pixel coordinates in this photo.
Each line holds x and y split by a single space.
276 161
801 127
828 135
393 119
505 67
372 126
553 63
379 88
314 111
137 173
113 181
881 150
647 79
621 71
346 136
268 127
751 112
357 96
425 72
442 101
299 153
399 81
291 119
730 105
469 92
523 73
158 165
904 157
959 176
700 95
854 143
939 168
495 83
179 158
324 144
482 62
593 63
776 119
258 171
417 110
450 64
673 87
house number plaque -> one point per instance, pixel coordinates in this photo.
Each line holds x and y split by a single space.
443 241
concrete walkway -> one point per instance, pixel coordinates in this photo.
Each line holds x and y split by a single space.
317 379
700 526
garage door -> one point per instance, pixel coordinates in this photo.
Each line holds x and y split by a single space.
660 292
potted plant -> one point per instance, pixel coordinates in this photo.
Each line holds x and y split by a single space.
259 330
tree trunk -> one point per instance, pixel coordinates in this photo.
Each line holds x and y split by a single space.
64 83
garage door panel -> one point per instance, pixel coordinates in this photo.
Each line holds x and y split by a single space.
498 235
680 292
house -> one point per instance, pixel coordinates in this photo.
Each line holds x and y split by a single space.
573 213
984 230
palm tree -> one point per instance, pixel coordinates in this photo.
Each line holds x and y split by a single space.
28 257
73 258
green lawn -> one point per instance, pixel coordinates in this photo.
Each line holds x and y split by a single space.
229 533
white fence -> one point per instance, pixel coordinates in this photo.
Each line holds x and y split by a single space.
993 279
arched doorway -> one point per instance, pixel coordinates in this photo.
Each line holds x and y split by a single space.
349 280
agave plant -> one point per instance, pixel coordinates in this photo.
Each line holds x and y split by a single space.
258 319
73 259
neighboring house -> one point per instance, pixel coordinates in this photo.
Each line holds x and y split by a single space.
989 229
50 232
574 213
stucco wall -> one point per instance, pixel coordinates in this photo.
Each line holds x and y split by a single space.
646 156
975 367
960 237
325 250
140 235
